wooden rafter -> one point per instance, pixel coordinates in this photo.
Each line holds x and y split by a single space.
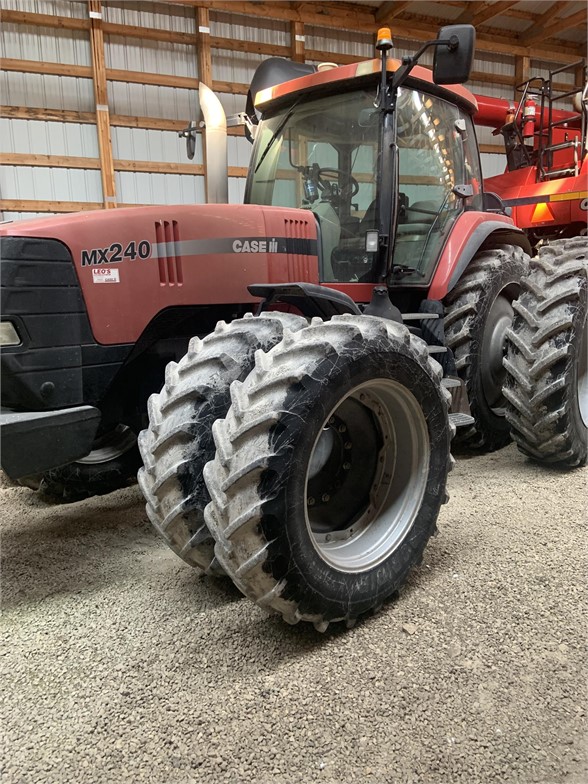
387 11
478 13
537 33
544 19
415 28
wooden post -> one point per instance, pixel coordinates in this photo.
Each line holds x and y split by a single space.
101 98
522 73
204 53
204 58
297 41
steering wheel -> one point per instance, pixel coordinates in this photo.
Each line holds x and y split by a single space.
349 186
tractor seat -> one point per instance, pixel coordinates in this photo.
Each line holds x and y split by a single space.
412 214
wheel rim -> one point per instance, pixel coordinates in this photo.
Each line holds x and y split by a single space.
583 375
367 475
493 343
110 446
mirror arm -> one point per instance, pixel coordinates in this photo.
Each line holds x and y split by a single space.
408 63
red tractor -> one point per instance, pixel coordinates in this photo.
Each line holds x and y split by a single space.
303 450
546 188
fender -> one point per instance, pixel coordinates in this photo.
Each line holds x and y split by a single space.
471 230
310 299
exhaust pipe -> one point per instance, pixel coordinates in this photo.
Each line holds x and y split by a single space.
215 146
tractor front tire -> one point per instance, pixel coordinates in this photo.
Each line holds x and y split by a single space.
178 441
546 361
478 311
330 469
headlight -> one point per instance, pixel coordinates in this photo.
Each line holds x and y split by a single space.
8 334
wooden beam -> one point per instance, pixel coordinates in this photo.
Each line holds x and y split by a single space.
150 34
544 19
388 11
79 162
44 20
118 120
478 13
160 80
34 205
51 115
251 47
412 28
203 53
53 69
297 42
101 98
530 38
54 161
496 149
522 73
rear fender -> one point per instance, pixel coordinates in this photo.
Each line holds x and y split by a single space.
470 232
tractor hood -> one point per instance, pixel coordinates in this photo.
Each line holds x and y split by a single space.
151 258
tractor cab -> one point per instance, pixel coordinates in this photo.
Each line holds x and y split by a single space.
336 155
385 161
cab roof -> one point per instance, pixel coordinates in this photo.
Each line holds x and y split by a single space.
420 77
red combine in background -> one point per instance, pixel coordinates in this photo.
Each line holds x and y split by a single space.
546 182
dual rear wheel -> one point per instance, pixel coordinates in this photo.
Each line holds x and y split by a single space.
327 471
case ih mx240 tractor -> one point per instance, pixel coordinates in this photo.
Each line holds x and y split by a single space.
303 451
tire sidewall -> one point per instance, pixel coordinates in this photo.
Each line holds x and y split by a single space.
578 326
284 522
510 275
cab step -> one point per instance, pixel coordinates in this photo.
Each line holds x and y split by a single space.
461 420
450 383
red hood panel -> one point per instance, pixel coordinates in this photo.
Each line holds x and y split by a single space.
134 262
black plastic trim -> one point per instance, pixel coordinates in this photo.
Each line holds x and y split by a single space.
310 299
35 441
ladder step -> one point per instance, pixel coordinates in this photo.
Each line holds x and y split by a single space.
461 420
419 316
566 120
437 349
558 172
561 146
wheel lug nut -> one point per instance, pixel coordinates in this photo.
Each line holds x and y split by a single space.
310 502
348 445
342 429
346 466
325 497
332 421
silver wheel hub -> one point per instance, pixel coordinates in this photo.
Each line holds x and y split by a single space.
110 446
367 475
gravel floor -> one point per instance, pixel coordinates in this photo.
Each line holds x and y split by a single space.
121 664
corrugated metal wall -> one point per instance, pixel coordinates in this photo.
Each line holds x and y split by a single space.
135 144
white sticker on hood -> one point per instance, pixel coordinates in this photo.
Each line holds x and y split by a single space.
106 275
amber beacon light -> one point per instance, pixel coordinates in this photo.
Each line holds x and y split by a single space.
384 40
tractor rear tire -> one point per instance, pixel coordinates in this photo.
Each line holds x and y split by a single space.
111 465
478 313
546 362
178 441
330 469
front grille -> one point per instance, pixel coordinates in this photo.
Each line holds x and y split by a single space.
168 257
298 264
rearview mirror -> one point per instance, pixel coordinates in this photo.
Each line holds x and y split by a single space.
453 61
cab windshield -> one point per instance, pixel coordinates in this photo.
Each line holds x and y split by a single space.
324 156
